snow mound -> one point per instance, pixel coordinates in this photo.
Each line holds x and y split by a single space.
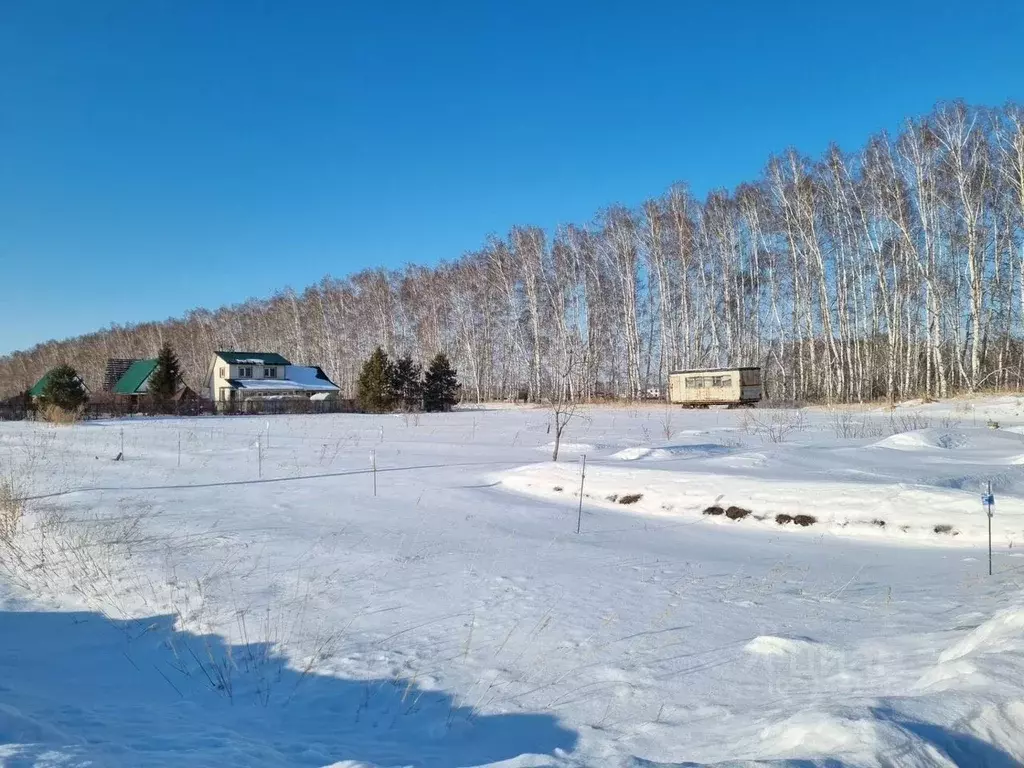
821 733
921 439
568 447
773 645
1003 632
647 453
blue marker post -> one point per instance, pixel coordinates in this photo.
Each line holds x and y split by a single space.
988 501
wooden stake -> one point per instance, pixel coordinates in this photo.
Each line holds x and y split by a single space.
583 475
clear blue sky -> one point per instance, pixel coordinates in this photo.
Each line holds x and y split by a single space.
159 156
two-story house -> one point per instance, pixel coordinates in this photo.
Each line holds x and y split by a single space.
243 375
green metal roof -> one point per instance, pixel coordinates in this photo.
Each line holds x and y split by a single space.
135 377
264 358
37 390
40 386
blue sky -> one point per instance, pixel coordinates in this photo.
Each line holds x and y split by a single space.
160 156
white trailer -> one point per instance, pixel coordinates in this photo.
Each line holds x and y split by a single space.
715 386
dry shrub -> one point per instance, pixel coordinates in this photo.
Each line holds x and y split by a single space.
775 425
736 513
782 519
879 522
630 498
908 422
805 520
715 510
57 415
943 528
559 489
12 508
613 498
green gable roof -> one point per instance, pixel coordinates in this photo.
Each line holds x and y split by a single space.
264 358
135 377
37 390
40 386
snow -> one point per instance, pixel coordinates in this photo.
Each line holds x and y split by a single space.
301 382
265 607
308 378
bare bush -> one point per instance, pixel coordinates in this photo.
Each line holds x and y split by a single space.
666 422
847 425
908 422
774 425
12 509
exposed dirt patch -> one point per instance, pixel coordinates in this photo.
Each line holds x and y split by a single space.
736 513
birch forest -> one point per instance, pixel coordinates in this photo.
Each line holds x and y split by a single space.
892 271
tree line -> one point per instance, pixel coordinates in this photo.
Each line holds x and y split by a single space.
891 271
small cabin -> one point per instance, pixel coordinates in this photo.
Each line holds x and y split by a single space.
715 386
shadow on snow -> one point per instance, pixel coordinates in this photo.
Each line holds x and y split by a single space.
141 693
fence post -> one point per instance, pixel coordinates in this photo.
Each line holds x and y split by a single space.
583 475
987 501
373 463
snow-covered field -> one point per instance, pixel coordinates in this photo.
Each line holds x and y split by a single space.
248 600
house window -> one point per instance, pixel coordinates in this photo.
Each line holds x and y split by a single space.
245 372
270 373
223 372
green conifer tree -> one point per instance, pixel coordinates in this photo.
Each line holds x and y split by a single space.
440 385
408 384
375 392
163 383
64 389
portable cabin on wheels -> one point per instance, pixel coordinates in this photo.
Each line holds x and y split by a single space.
700 388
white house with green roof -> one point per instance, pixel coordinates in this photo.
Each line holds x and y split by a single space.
235 376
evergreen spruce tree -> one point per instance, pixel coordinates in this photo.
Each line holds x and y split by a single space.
163 383
64 389
407 384
440 385
375 392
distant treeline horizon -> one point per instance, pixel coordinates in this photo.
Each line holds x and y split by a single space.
893 270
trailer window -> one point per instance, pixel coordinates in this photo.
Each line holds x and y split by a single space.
709 382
